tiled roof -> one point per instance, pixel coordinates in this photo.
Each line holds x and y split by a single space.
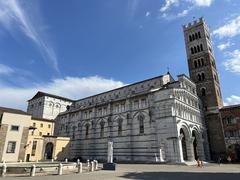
14 111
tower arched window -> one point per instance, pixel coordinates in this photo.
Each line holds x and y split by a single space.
202 61
193 38
79 126
203 76
201 47
199 64
203 91
192 51
199 35
196 36
198 48
199 77
195 64
190 38
195 49
141 124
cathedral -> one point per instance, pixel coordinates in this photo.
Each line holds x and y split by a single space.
156 120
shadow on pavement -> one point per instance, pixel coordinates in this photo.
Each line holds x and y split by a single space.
181 176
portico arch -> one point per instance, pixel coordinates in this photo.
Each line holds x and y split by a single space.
184 144
49 150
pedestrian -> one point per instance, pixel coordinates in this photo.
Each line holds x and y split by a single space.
229 159
201 164
219 160
198 163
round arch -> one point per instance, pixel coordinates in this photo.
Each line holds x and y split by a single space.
48 150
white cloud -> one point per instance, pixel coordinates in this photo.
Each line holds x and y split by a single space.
168 4
183 13
13 15
175 16
70 87
166 13
232 64
224 45
147 14
233 99
230 29
5 69
202 2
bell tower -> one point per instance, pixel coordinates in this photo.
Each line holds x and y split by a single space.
203 71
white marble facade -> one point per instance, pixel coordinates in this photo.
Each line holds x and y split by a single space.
153 120
47 106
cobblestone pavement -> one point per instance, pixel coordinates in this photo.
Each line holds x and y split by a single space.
152 172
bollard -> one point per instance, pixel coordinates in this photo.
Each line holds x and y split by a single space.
33 170
80 167
88 165
4 170
92 166
60 169
96 167
66 160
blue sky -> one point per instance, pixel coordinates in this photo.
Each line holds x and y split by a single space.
77 48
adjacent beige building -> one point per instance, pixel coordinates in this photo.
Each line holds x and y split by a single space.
39 127
14 129
42 145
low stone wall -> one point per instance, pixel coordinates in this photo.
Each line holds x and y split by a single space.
54 168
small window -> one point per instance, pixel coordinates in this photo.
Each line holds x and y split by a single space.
41 125
11 147
14 128
87 129
40 133
49 126
203 91
141 124
34 147
40 103
119 127
32 133
48 134
34 124
102 129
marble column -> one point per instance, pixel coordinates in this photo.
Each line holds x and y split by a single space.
190 150
110 152
180 148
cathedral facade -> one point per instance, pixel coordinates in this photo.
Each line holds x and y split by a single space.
155 120
158 119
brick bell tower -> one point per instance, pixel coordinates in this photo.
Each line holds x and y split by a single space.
203 71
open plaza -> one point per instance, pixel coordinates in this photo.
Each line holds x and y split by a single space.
149 171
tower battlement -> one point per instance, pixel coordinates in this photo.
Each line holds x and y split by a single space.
193 24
